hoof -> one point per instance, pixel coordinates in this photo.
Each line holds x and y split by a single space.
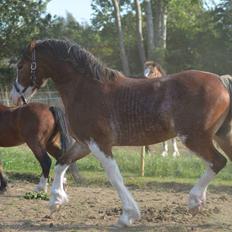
196 203
195 211
54 208
128 218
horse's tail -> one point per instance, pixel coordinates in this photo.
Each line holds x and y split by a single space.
62 127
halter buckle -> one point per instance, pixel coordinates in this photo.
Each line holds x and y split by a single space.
33 66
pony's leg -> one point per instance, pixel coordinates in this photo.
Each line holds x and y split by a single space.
130 209
215 162
165 149
3 180
58 194
45 163
175 148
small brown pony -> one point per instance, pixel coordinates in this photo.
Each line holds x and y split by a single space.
38 126
154 70
106 108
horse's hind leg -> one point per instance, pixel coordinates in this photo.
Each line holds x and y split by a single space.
73 169
74 153
223 138
175 148
3 180
165 149
215 162
45 163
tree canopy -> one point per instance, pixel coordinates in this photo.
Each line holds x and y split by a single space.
198 37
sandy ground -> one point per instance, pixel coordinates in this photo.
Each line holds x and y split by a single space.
163 208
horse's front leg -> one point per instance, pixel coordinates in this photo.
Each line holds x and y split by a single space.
58 194
130 209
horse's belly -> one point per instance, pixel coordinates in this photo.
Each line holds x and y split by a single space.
145 136
10 141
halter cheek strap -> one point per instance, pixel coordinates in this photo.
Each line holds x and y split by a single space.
33 69
33 78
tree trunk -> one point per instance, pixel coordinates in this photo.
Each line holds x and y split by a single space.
139 29
123 56
150 30
160 24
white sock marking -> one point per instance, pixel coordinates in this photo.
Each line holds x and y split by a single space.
130 208
58 195
198 192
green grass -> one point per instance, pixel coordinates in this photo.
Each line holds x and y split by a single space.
20 161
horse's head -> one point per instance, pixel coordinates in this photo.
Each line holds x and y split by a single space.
153 70
30 75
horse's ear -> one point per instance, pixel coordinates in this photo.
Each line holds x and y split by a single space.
33 44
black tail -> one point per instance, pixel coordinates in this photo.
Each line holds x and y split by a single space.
62 127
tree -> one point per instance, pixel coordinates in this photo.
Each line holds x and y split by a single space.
123 55
150 29
20 22
139 31
160 24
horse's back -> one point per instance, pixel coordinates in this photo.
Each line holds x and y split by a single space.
151 111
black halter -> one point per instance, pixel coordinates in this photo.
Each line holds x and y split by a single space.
33 78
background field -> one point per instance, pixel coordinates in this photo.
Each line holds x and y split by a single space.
20 161
162 195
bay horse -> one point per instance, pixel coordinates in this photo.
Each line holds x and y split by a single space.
105 109
39 126
154 70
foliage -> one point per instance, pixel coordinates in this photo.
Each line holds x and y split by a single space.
25 20
197 37
20 21
36 196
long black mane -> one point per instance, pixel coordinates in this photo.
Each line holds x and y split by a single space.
83 61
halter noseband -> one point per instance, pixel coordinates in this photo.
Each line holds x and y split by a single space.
33 78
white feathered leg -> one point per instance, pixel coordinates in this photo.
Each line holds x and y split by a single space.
130 209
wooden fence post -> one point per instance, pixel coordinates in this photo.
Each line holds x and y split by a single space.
142 156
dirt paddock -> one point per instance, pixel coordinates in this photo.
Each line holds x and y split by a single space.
163 208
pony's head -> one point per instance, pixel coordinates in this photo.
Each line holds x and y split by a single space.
153 69
29 75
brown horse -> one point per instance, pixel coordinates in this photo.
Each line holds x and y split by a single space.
154 70
38 126
106 108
